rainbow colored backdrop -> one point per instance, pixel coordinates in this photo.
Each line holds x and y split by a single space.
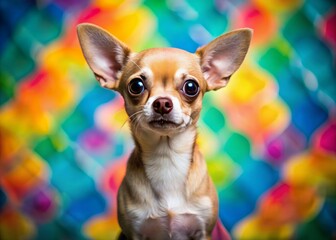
269 137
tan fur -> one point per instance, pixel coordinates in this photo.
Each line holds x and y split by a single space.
167 192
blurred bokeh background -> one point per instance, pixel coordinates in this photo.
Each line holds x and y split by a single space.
269 137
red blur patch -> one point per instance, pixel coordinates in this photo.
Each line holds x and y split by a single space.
328 28
264 24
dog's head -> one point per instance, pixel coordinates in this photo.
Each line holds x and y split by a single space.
162 87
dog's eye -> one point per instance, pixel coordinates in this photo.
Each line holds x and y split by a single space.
190 88
136 86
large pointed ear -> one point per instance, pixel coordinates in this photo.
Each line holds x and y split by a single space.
105 54
222 57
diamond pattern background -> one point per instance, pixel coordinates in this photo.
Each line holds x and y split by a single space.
269 137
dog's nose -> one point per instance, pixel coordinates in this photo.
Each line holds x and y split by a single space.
163 105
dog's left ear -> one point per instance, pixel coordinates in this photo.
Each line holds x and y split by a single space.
104 53
222 57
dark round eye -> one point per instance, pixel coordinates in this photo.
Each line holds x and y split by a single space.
136 86
190 88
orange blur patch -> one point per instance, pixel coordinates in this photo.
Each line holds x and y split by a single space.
280 210
134 24
288 204
26 175
264 24
9 147
14 225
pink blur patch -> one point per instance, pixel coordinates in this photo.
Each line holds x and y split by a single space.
35 80
219 232
42 202
289 143
113 176
328 28
41 205
95 141
328 138
278 194
325 138
275 149
89 14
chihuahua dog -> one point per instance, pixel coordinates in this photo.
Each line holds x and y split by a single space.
166 192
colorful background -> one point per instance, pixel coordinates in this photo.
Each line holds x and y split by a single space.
269 137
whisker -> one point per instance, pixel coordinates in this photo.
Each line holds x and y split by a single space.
137 121
124 124
135 64
134 115
131 118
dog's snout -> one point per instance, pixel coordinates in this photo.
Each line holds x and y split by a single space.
163 105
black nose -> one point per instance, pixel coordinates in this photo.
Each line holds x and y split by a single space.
163 105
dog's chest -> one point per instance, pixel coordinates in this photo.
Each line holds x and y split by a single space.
167 171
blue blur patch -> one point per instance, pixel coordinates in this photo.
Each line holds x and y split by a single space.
307 116
82 209
3 199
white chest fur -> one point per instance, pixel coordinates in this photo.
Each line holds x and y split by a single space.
167 168
167 164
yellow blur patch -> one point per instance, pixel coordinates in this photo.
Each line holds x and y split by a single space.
246 84
28 121
222 170
273 116
99 228
278 6
253 228
112 117
315 169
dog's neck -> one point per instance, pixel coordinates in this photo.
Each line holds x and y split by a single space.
166 159
150 144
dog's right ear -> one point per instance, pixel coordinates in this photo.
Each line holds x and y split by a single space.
105 54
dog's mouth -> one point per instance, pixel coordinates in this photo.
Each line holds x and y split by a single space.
163 124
